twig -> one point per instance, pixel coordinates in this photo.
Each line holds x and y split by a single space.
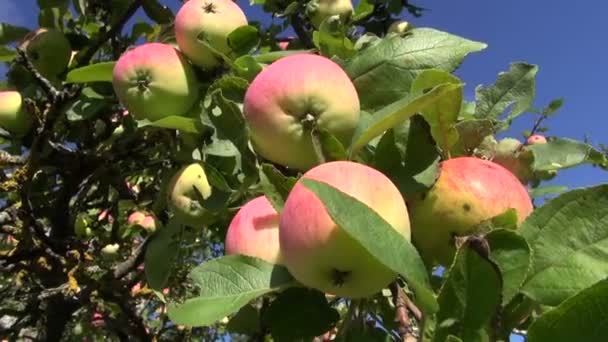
132 262
46 85
401 315
9 159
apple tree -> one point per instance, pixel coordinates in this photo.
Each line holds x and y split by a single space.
180 171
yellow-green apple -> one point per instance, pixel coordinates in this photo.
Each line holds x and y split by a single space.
186 189
536 139
400 26
210 21
319 10
468 191
510 153
254 231
154 80
292 95
318 252
49 50
13 116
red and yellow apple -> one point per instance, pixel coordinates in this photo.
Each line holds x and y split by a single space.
319 10
210 21
49 50
146 221
13 116
154 80
292 95
186 189
254 231
536 139
318 252
467 192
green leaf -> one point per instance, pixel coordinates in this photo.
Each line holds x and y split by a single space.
226 284
377 236
553 107
275 185
470 296
10 33
582 317
184 124
332 44
247 67
52 13
7 54
246 321
157 12
547 190
80 6
327 146
569 237
161 254
563 153
512 254
515 87
383 72
100 72
395 113
85 107
364 9
312 318
471 134
244 39
273 56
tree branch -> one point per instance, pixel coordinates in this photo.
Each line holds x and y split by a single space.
132 262
44 83
401 315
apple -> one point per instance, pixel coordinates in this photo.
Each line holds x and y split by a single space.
292 95
13 116
183 197
510 153
154 81
400 27
49 50
254 231
284 44
211 21
147 222
467 192
317 252
536 139
319 10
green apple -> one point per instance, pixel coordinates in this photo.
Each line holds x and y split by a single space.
319 10
318 252
211 21
510 153
13 116
292 95
400 27
154 81
254 231
49 50
186 189
468 192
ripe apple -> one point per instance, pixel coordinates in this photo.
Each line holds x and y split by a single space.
147 222
13 116
154 80
510 154
209 20
49 50
319 10
290 96
468 191
317 252
183 198
400 26
536 139
254 231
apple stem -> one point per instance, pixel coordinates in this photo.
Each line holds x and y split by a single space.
401 313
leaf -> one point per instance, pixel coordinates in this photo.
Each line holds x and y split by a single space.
582 317
364 9
546 190
247 67
394 114
312 318
275 185
515 87
244 39
184 124
157 12
226 284
471 134
327 146
99 72
246 321
563 153
553 107
269 57
569 237
7 54
383 72
80 6
161 254
470 297
11 33
513 256
377 236
85 107
332 44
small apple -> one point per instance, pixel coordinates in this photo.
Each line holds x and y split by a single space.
292 95
110 249
13 116
536 139
154 80
211 21
82 226
147 222
317 252
49 50
319 10
467 192
284 44
400 27
254 231
183 194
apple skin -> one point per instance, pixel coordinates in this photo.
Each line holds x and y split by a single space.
13 116
154 80
49 50
254 231
400 27
319 10
536 139
315 250
147 222
468 191
287 91
183 199
217 19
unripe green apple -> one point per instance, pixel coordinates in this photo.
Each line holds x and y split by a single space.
468 192
318 252
13 116
183 198
400 26
319 10
292 95
211 21
254 231
510 154
82 226
154 80
536 139
49 50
